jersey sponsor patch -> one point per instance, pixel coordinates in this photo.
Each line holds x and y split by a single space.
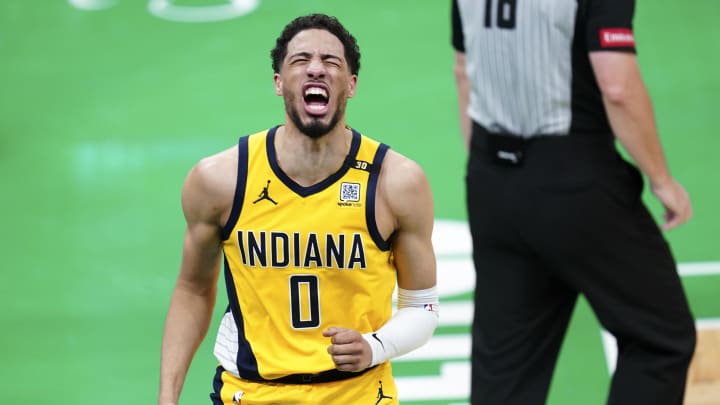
350 192
616 38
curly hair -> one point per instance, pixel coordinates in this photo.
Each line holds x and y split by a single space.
316 21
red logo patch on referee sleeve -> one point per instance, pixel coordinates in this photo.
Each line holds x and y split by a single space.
616 37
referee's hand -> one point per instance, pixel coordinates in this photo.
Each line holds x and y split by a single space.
348 349
676 201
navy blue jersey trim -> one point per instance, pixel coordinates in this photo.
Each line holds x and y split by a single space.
239 188
217 386
370 201
245 361
315 188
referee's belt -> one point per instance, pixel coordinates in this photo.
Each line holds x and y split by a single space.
512 149
309 378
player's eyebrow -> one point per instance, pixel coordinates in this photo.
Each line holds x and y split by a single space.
324 56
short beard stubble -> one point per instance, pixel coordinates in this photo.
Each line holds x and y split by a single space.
315 128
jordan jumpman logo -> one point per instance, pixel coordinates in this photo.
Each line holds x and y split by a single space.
381 395
264 195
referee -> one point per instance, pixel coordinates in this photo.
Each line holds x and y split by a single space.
545 88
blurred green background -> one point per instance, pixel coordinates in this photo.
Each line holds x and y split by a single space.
104 107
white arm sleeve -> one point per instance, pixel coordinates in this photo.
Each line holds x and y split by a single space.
409 328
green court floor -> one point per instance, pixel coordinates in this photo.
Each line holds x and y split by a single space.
106 104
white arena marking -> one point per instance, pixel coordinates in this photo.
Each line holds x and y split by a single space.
451 237
453 382
441 347
92 4
167 10
456 313
699 269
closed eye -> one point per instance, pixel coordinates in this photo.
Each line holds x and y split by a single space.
299 57
332 60
295 61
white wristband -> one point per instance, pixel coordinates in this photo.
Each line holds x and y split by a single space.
409 328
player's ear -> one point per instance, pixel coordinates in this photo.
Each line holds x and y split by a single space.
352 85
278 84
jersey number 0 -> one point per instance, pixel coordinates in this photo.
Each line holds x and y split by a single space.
304 301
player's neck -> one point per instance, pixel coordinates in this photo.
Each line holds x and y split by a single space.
308 160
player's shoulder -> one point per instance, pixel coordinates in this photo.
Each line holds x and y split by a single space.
402 180
400 166
222 166
214 174
405 189
209 187
218 163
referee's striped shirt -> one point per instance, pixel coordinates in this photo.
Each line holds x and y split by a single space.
528 64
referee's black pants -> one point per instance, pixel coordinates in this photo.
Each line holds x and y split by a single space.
569 220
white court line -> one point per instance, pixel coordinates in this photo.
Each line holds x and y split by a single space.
699 269
453 382
168 10
456 313
92 4
441 347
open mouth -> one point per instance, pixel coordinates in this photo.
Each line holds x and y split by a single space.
316 99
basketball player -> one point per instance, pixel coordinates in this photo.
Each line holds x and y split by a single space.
315 225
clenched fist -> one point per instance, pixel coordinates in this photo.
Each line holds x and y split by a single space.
348 349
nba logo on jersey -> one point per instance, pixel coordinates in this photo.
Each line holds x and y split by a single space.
350 192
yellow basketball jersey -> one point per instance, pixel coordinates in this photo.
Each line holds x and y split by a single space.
301 259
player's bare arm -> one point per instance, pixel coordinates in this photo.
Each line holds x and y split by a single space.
631 116
205 202
404 191
405 213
